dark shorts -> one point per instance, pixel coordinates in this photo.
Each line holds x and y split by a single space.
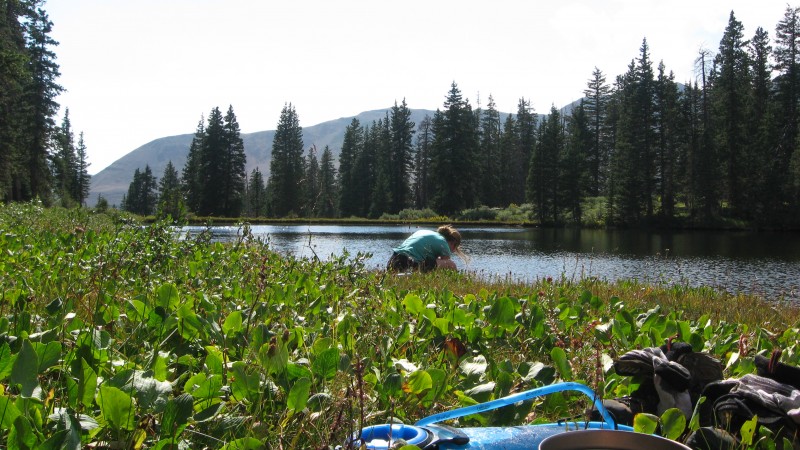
402 263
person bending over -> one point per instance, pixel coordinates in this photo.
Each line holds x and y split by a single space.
426 250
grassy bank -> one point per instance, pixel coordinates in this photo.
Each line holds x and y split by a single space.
125 336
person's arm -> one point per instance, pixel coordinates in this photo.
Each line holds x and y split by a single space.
444 262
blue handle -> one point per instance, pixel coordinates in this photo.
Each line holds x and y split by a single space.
515 398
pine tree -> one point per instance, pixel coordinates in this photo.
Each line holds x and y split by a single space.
489 155
328 192
286 166
670 140
762 138
574 173
212 165
352 145
730 97
40 94
703 159
311 184
256 204
509 143
544 177
627 184
374 162
192 181
520 156
401 153
142 196
14 76
422 163
170 197
787 63
234 161
596 97
644 137
64 162
453 169
82 177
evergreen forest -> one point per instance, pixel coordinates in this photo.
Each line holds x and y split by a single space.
638 149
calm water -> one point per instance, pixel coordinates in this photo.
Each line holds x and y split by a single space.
764 263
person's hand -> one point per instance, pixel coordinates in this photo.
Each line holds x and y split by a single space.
444 262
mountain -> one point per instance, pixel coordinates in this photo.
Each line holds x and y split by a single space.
113 181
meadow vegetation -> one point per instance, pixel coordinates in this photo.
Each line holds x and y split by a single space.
124 335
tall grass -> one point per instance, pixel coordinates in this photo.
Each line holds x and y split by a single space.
114 334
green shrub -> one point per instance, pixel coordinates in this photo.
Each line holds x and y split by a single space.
480 213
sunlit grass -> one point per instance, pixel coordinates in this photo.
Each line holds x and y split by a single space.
245 345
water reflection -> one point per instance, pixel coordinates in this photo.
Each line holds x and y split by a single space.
765 263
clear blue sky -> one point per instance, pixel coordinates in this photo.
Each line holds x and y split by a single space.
138 70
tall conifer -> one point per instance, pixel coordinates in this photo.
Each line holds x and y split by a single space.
286 166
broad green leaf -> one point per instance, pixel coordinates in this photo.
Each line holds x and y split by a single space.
168 297
233 323
214 359
326 363
321 344
6 361
732 360
273 357
117 408
247 443
298 395
438 385
8 412
25 370
176 415
209 388
482 392
59 441
418 382
561 362
442 324
413 304
87 382
22 436
404 334
503 313
392 384
347 329
748 431
209 412
685 330
645 423
48 354
296 371
673 423
69 436
246 381
151 394
474 367
694 423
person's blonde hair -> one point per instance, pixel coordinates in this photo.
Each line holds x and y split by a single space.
450 234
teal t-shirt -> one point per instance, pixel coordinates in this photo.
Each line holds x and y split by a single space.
424 244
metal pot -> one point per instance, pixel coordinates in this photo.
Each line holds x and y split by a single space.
608 439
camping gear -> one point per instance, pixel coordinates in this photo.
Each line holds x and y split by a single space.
608 439
429 433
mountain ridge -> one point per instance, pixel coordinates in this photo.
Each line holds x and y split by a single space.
112 182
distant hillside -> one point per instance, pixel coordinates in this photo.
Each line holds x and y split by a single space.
113 181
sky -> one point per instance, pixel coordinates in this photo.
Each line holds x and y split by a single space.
138 70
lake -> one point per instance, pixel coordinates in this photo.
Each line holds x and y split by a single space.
766 263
